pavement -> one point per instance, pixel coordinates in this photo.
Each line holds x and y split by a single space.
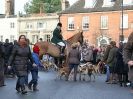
52 88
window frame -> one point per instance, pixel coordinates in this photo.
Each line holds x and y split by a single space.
104 21
29 26
47 37
71 25
85 23
127 3
125 21
12 25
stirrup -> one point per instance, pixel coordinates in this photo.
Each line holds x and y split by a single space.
62 55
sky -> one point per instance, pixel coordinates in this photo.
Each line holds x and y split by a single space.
19 4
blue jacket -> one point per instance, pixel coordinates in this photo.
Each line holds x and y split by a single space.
36 60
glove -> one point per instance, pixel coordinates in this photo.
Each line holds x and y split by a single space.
9 67
34 65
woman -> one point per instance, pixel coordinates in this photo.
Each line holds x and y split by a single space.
74 60
19 58
121 69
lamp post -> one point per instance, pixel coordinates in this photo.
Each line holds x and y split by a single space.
121 37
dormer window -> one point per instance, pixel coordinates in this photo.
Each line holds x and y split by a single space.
108 3
127 2
90 3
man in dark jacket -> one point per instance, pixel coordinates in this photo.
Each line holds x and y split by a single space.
58 38
111 61
8 48
1 64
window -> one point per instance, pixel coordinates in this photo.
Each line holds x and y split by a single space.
12 25
85 23
29 26
34 38
47 37
125 21
1 38
127 2
90 4
104 22
40 25
12 38
70 23
108 3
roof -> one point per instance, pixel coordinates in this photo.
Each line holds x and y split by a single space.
78 7
10 16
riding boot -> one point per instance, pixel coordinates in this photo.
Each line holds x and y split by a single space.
62 48
23 89
35 87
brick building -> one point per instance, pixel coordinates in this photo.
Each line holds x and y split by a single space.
100 20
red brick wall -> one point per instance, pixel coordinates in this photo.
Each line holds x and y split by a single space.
94 31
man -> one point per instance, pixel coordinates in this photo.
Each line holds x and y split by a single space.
8 49
111 61
128 58
58 38
105 57
2 52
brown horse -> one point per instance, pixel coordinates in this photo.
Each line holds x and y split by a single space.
53 50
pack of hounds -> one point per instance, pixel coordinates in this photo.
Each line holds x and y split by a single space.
86 71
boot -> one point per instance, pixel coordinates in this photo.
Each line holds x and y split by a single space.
18 88
30 86
23 89
35 87
62 48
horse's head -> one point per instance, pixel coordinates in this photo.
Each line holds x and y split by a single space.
78 37
81 38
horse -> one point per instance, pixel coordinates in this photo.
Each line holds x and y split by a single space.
54 51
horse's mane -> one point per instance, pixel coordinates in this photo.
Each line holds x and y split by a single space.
74 37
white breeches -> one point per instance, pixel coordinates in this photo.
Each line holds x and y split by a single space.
61 44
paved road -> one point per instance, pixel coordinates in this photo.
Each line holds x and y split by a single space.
49 88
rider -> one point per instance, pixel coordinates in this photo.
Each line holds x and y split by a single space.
58 38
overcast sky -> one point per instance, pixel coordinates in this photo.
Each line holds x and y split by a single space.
19 4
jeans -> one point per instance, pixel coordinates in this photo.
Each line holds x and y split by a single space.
34 74
107 72
21 81
75 66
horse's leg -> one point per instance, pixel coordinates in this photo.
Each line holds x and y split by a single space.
60 62
56 61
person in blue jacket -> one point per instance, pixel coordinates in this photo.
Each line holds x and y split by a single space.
34 69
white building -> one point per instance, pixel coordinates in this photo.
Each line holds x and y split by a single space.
8 28
38 26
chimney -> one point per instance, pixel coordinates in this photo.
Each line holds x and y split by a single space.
9 7
65 4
